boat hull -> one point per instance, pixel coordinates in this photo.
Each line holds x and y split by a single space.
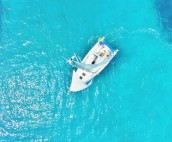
94 62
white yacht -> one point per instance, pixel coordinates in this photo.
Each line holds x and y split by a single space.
93 63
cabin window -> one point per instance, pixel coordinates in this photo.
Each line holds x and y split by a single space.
80 77
83 74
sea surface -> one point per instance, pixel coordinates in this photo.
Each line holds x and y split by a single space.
130 101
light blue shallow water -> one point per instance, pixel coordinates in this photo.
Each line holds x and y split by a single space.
130 101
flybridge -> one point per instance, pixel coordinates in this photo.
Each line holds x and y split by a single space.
93 63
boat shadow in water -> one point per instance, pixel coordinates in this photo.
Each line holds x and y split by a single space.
164 9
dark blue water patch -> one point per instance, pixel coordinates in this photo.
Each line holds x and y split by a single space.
164 9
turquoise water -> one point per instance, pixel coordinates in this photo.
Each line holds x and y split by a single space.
130 101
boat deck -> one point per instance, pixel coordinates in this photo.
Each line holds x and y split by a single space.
96 55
